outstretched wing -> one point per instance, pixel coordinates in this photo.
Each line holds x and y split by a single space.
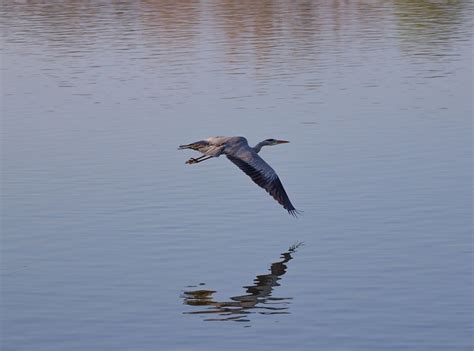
264 176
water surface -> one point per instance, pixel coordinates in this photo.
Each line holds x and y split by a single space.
111 242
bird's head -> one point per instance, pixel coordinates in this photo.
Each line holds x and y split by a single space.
270 142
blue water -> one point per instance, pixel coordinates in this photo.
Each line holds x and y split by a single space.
111 242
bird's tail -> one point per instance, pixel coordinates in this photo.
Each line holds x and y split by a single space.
194 146
182 147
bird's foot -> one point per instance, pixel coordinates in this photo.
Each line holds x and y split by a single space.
191 161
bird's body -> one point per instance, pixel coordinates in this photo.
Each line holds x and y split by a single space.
247 159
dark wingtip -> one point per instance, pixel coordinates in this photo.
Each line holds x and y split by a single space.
295 213
295 246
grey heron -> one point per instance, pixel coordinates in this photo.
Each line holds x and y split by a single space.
247 159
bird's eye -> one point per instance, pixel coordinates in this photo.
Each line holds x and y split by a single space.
270 139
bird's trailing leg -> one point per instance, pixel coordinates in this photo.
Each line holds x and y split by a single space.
194 160
197 160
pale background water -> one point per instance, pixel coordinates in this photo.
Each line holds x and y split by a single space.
107 234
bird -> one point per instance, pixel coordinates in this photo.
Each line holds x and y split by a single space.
238 151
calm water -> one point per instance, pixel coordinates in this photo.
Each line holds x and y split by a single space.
111 242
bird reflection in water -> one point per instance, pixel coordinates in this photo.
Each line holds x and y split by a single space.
257 300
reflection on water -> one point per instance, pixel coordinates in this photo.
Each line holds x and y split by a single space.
237 51
251 37
425 26
258 297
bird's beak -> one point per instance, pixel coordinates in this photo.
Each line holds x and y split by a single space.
282 142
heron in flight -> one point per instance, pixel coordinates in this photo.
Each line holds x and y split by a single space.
247 159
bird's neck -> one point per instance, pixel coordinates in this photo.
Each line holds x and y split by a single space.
259 146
